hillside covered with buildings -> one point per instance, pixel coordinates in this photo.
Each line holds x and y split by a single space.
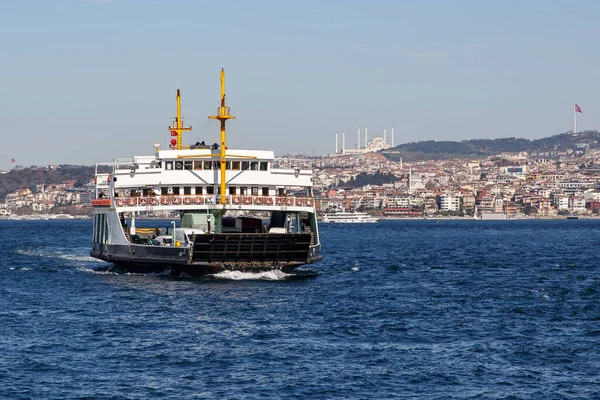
556 176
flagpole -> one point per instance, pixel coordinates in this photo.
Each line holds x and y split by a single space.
574 119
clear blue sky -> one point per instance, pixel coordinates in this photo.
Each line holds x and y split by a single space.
85 81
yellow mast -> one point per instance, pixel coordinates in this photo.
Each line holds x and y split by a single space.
222 115
178 123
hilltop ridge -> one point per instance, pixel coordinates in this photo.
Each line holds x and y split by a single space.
444 150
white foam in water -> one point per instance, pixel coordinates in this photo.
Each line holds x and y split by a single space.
275 275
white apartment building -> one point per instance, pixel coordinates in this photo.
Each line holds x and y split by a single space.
449 202
561 202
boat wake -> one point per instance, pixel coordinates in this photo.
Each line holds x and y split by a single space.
252 276
57 254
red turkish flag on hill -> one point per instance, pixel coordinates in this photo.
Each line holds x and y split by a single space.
12 160
578 109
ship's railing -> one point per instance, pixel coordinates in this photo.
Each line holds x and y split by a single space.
192 200
220 113
125 163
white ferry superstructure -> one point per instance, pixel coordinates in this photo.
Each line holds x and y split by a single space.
237 209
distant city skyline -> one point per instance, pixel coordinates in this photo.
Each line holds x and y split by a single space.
86 81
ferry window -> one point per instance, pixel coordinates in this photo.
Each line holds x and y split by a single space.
164 191
281 191
178 165
187 165
175 189
227 164
187 190
207 164
168 165
265 191
254 191
144 192
217 164
244 190
235 165
210 190
197 164
198 190
232 190
254 165
245 165
263 165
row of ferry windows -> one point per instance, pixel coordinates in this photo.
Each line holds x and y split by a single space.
201 190
209 165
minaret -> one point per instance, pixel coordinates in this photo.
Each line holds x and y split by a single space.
385 135
366 138
358 144
392 135
409 179
336 143
222 115
343 142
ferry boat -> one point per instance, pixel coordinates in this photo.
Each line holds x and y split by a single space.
235 209
349 218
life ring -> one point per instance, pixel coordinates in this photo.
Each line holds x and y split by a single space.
299 201
164 201
187 200
309 202
258 201
247 200
237 200
279 201
289 201
131 201
120 202
153 201
269 201
142 201
199 200
176 200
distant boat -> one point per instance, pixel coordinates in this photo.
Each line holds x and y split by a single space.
62 216
572 216
349 218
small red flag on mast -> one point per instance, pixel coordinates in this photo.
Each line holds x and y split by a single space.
12 160
578 109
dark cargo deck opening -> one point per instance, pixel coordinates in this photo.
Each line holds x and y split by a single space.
240 247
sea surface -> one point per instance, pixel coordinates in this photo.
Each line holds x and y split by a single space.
444 309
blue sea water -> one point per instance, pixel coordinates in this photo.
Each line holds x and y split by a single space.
400 309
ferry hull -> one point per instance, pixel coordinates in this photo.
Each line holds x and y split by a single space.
156 259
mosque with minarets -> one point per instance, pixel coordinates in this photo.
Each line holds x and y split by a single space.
376 143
